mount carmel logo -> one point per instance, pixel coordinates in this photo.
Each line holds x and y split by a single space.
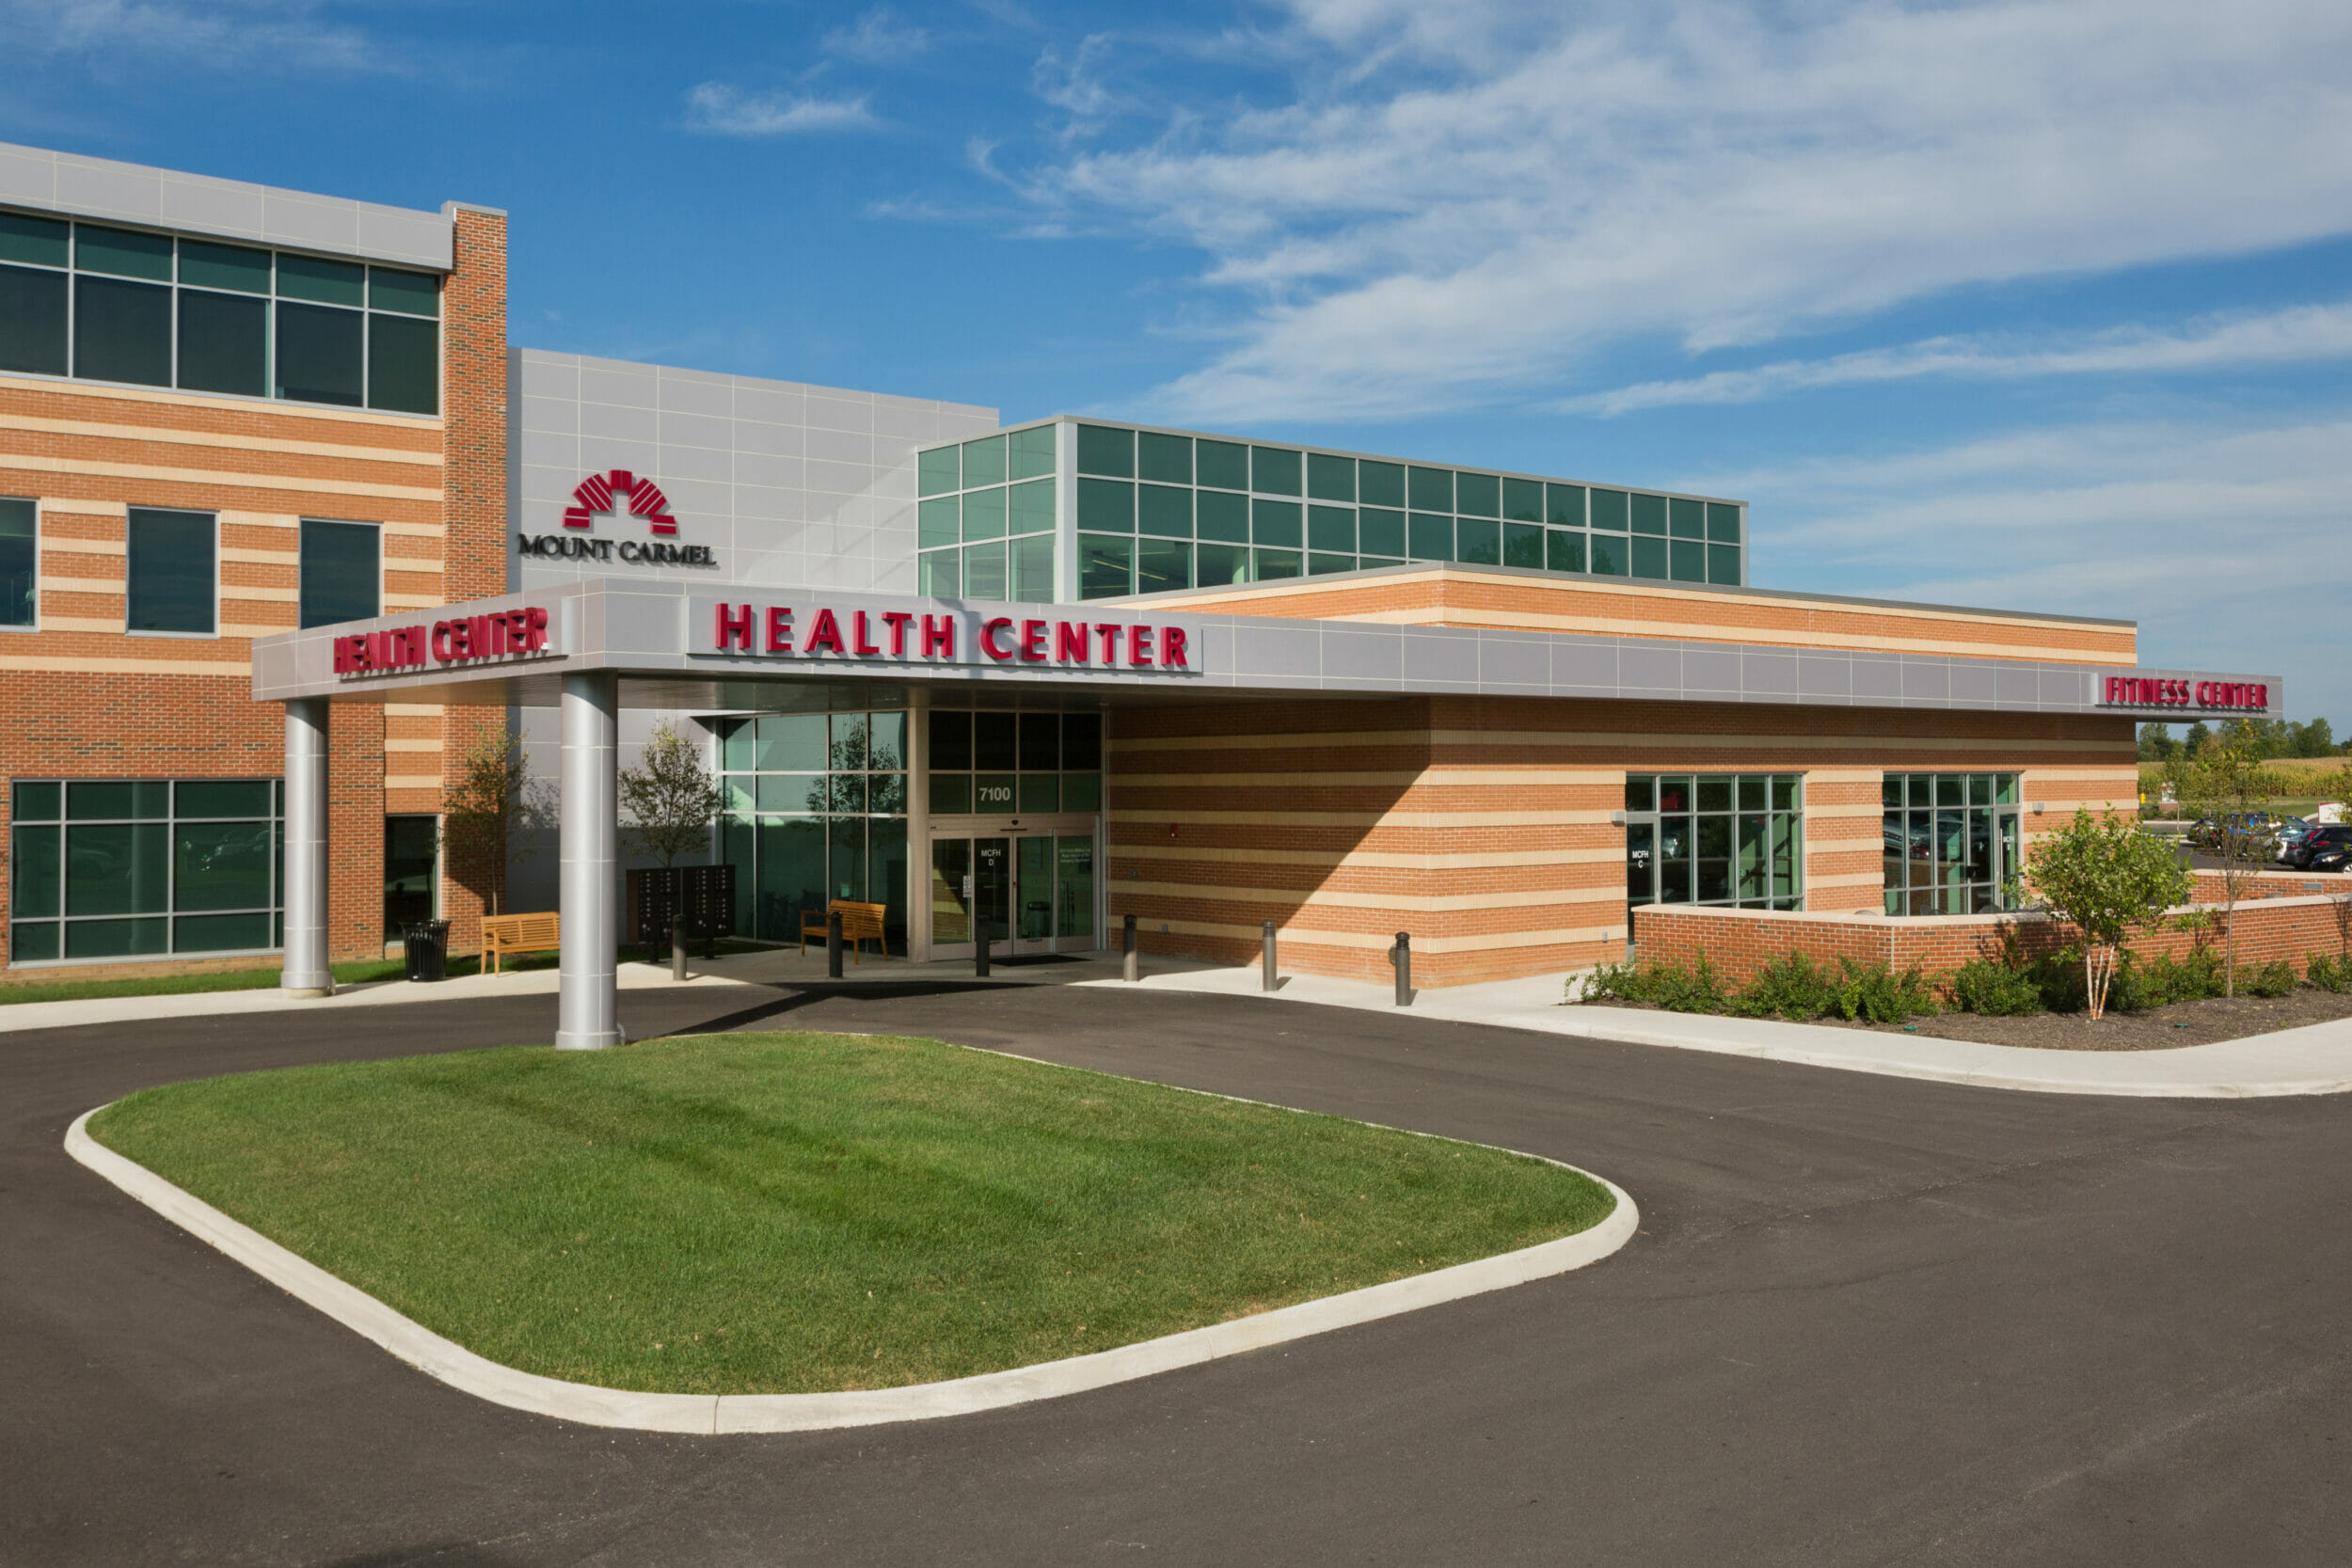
607 492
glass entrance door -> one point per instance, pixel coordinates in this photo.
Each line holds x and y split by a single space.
1035 890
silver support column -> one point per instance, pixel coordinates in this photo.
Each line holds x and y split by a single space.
588 861
306 972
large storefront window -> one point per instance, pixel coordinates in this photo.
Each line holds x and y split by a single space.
136 868
1951 842
1715 838
816 810
1008 764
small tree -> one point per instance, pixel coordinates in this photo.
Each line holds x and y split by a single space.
480 811
2228 782
669 799
2106 879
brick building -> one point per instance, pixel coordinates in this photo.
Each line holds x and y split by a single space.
1499 711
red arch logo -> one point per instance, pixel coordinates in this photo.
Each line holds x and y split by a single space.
597 492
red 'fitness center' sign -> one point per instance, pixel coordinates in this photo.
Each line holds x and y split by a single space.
781 632
2139 691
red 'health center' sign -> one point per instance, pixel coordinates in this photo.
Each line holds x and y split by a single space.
905 634
2139 691
457 640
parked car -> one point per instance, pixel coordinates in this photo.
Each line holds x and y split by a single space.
2291 830
2210 832
2327 847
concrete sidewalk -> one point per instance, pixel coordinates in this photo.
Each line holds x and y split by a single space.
2316 1059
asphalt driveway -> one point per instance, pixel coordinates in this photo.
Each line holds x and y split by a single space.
1868 1320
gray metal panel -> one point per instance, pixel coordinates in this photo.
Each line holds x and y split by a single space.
1585 666
1974 683
1875 677
1648 670
1715 670
1439 658
1769 675
1291 649
1368 654
1509 658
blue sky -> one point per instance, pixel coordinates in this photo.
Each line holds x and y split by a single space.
2042 305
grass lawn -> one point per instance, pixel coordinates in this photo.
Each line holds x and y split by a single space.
352 973
802 1213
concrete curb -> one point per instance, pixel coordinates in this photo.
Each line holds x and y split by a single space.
713 1414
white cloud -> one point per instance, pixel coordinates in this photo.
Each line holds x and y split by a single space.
726 111
878 38
2301 335
1464 202
270 34
2225 544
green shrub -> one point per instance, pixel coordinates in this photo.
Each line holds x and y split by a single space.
1996 989
1619 982
2165 979
2275 979
2057 979
1880 995
2328 973
1794 988
1696 990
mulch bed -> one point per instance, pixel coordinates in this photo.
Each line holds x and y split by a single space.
2158 1029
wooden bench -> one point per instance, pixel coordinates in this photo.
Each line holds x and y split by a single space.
859 923
502 934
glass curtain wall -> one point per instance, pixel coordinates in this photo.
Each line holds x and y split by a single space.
1158 512
985 522
816 809
992 764
1951 842
134 868
124 305
1715 838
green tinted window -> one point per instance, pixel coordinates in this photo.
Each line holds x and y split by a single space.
1276 523
1274 470
1722 523
38 241
404 365
1032 507
32 320
1271 564
223 865
1163 510
984 461
1430 537
1523 502
1330 479
325 282
411 293
224 344
984 514
1030 453
318 354
1608 557
1331 527
1433 489
121 331
1383 531
1219 565
169 562
1564 505
1649 557
1323 566
1609 509
1478 495
339 577
792 743
1688 560
1222 463
984 574
1723 566
1222 516
33 872
939 522
1523 545
224 266
1166 459
1162 565
1564 550
1649 513
1479 542
943 574
1380 483
1689 519
1105 566
938 472
123 252
1104 450
1033 568
1106 504
35 802
19 563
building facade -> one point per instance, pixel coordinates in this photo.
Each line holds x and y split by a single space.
241 427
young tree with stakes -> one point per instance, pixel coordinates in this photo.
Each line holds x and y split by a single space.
669 800
2106 879
482 810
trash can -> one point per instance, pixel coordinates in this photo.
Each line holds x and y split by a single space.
427 945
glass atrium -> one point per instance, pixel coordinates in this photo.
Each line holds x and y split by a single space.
1068 510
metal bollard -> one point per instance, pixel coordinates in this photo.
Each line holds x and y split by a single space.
677 949
1400 956
1265 964
980 949
1130 967
832 945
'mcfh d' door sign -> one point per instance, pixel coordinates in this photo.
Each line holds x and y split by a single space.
619 494
962 637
